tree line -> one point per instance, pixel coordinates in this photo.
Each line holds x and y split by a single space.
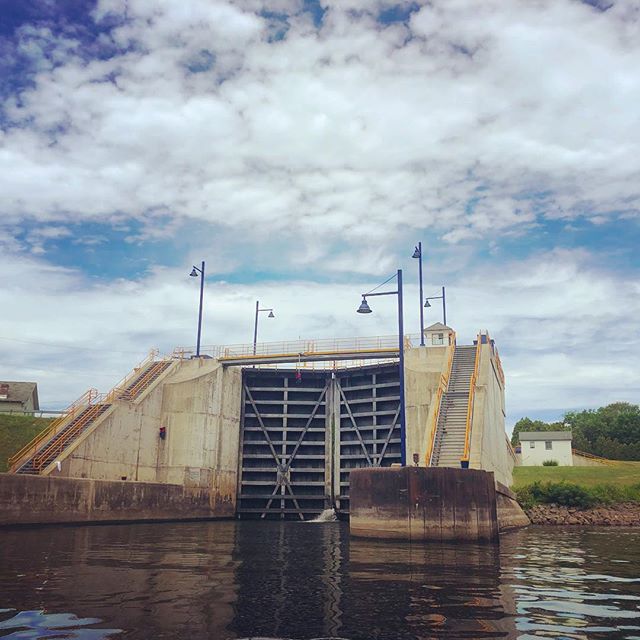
611 432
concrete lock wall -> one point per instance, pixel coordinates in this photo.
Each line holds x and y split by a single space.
489 447
198 403
46 499
423 369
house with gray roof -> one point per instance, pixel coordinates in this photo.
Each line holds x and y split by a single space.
539 446
18 397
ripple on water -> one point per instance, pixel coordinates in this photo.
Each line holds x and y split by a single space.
38 624
284 581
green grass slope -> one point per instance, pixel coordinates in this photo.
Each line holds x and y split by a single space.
620 473
15 432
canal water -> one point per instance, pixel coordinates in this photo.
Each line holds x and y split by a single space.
302 580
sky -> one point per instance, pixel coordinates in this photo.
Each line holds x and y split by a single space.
302 148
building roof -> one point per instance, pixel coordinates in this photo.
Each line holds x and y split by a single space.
438 326
19 392
544 435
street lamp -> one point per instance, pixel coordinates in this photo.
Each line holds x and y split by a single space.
255 326
444 305
194 274
418 254
365 308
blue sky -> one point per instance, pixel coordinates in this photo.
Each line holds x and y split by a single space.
302 148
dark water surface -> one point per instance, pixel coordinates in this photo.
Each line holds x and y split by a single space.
303 580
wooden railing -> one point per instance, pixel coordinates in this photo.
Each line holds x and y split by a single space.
442 387
464 461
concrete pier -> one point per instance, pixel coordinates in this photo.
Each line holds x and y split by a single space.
419 503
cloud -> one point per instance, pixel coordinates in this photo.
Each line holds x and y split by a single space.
563 343
348 129
313 146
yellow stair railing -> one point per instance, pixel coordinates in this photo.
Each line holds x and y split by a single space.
54 448
120 388
143 381
90 397
30 449
442 387
464 461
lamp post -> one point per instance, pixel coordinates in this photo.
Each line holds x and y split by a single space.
418 254
255 326
194 274
364 308
444 305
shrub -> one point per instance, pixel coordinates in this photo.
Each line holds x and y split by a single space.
573 495
550 463
562 493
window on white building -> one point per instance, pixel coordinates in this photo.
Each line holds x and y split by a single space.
548 445
437 338
532 444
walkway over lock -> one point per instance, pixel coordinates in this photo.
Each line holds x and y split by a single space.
306 351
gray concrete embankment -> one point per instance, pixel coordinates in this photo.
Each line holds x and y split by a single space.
48 500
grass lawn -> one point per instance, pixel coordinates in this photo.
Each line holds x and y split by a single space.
15 432
622 474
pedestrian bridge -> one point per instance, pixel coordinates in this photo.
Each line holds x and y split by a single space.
346 351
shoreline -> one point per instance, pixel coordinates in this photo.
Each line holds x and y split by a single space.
625 514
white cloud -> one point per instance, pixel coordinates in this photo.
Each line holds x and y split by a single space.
350 129
320 149
563 341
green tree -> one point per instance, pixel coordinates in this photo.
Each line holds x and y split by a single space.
527 424
612 431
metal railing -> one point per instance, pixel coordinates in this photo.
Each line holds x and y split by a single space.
90 397
299 348
442 387
143 381
472 391
30 449
121 387
39 413
591 456
54 448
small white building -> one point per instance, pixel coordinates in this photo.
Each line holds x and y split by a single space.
538 446
439 335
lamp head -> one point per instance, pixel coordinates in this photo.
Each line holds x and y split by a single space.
270 315
416 253
364 306
194 273
427 303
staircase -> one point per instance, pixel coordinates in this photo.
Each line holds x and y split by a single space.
43 458
145 378
83 415
449 443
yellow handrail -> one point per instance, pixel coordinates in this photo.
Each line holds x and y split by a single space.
142 381
86 399
56 447
472 391
122 385
442 387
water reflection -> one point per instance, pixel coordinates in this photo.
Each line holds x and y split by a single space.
301 580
